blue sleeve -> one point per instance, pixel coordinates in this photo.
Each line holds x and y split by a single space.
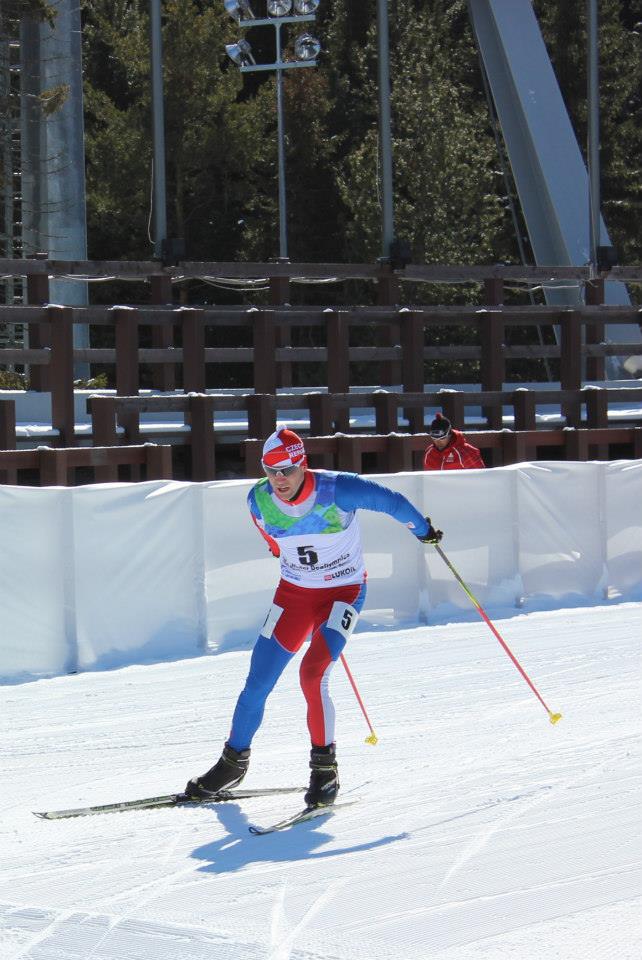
251 502
354 493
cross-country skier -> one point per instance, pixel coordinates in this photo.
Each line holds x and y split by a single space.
308 519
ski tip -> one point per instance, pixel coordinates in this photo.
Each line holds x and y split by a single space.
555 717
308 813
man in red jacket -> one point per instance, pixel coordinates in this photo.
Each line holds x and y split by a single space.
449 449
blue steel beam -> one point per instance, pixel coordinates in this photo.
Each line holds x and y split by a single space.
548 168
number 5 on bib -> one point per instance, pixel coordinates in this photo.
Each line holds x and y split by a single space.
343 618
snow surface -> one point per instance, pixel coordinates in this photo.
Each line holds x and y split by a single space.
483 831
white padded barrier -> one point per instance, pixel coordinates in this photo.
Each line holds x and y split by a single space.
112 574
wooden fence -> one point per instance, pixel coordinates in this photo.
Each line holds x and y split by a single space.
398 452
404 340
402 335
54 465
406 358
389 453
117 419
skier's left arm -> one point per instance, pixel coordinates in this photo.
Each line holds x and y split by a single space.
356 493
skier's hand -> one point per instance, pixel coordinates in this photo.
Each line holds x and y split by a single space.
431 535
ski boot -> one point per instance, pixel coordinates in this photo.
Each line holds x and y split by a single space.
324 779
225 774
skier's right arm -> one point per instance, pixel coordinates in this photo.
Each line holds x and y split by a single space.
258 523
271 542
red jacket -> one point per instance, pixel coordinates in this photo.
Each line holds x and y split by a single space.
458 454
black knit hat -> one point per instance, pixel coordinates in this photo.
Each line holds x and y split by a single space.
440 427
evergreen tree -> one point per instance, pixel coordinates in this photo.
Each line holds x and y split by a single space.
314 206
221 132
447 192
37 9
215 139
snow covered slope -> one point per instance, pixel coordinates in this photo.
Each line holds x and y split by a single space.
482 831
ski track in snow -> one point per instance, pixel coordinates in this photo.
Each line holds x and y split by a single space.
484 833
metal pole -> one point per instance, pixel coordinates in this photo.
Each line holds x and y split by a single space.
593 96
553 717
32 147
158 128
283 229
7 127
373 738
385 134
62 219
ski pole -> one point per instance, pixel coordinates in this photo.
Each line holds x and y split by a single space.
373 738
553 717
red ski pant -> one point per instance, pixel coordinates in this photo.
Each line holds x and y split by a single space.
328 616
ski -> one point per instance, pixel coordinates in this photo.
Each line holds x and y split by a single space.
308 813
167 800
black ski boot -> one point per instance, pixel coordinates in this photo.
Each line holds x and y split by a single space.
324 779
226 773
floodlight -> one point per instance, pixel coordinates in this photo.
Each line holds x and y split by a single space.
279 8
240 53
305 6
306 47
236 9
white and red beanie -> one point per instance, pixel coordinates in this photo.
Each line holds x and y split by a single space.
284 448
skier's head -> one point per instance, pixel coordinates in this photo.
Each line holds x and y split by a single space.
284 462
283 450
440 430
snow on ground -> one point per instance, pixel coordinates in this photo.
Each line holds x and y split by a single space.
482 830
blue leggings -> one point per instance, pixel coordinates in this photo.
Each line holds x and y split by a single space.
270 658
268 662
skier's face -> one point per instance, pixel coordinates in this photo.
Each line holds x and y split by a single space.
286 487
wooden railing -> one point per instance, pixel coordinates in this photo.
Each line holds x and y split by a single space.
54 464
394 453
389 453
117 419
405 359
154 270
403 339
400 343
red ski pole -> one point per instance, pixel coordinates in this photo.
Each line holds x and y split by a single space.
553 717
373 738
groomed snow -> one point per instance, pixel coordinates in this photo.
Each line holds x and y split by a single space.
482 830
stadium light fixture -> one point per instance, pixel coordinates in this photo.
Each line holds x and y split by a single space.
238 8
303 7
279 8
240 53
280 14
306 47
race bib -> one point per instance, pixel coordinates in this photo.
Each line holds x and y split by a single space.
343 618
271 621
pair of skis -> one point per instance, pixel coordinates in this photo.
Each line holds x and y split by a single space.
181 799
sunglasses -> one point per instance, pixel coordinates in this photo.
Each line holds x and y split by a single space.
284 471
